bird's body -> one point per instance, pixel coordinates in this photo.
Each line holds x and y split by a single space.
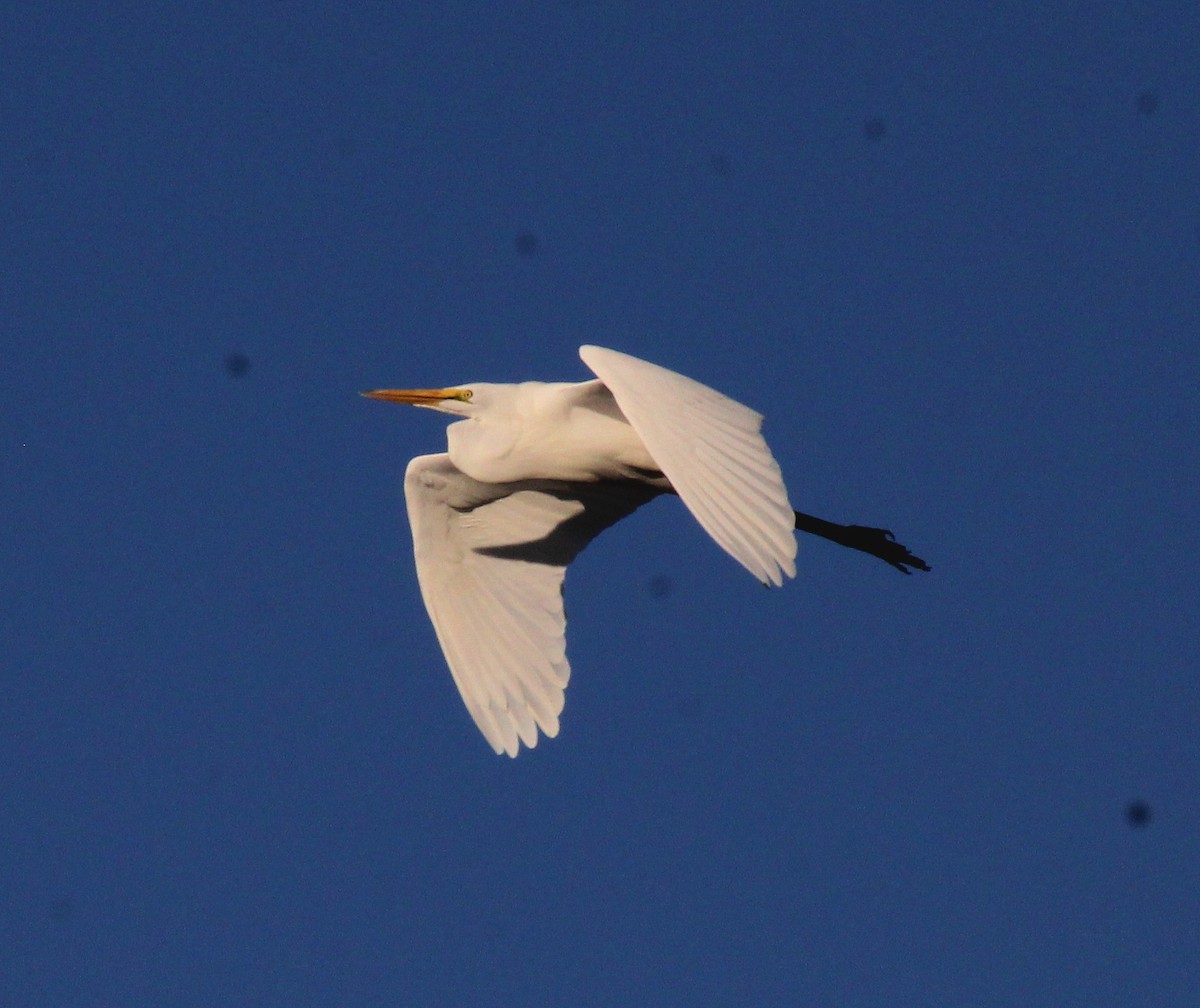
534 471
546 430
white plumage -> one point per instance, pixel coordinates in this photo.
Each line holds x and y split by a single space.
533 473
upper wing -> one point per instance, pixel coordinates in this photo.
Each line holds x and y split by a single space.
490 562
711 450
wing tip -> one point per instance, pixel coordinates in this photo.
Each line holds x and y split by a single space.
504 745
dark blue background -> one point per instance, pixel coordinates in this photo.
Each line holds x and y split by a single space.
953 254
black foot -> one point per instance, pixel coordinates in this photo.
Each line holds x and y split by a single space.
881 543
877 542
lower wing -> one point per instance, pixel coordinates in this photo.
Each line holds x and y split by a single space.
490 561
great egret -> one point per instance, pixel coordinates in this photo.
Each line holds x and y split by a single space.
537 470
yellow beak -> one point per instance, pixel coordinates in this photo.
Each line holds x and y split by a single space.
420 396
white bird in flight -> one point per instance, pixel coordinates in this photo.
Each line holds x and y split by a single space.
535 471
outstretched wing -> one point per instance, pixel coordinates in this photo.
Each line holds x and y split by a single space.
490 561
711 450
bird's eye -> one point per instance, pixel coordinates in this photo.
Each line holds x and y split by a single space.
466 395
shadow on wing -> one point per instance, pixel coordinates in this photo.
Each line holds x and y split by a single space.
577 513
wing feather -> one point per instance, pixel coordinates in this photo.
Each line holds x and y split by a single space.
490 562
711 449
756 512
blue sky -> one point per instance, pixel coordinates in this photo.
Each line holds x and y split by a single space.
952 253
